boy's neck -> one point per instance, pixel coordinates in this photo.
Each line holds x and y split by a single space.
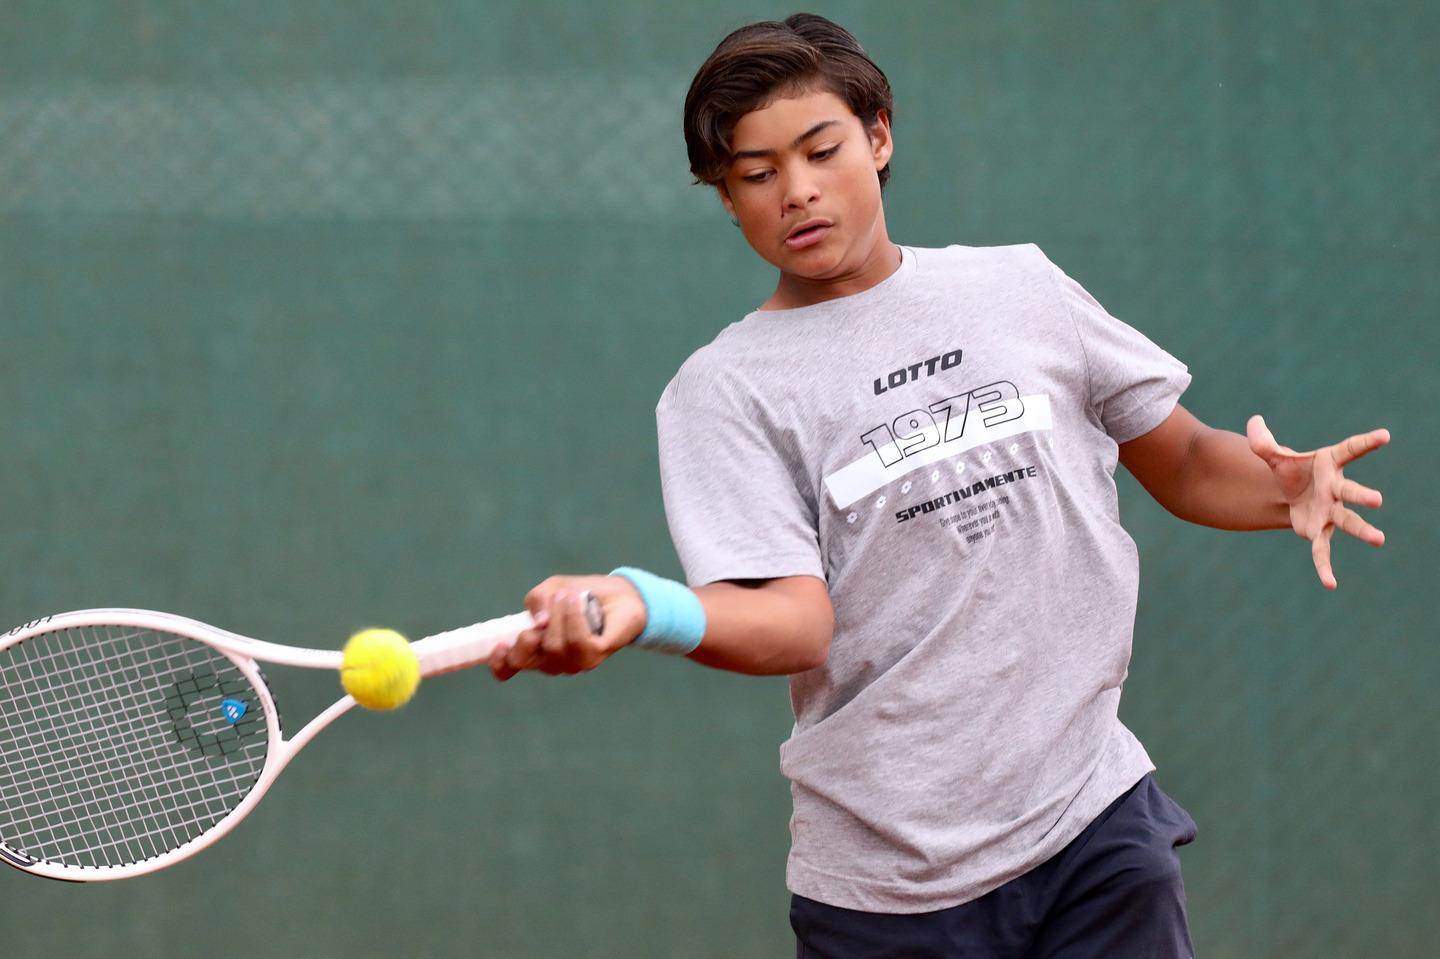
797 291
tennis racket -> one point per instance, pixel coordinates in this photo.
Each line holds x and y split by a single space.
132 739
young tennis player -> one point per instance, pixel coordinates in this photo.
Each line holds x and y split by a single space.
894 481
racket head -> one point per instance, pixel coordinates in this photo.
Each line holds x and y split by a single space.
129 740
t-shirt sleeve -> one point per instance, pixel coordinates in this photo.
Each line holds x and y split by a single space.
1133 384
733 496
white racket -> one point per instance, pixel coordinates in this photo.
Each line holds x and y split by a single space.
132 739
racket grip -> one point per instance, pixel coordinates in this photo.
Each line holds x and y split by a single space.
469 645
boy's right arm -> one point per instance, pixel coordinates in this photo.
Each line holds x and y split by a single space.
759 627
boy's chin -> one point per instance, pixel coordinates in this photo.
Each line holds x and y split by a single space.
817 266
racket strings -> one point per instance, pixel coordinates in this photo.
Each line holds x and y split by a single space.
76 715
114 746
73 739
80 720
103 815
140 753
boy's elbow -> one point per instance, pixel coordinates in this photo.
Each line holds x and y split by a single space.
815 648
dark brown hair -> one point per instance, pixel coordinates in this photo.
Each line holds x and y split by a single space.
768 60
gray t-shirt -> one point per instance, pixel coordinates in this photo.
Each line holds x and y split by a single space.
940 450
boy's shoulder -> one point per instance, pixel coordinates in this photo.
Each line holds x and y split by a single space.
986 270
958 255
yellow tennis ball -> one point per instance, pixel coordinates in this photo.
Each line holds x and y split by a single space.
379 669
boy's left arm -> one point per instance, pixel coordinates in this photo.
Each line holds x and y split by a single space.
1228 481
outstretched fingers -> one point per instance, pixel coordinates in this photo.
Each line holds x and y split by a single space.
1349 491
1320 553
1352 523
1262 441
1348 521
1349 450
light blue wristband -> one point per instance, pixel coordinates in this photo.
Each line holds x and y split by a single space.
674 618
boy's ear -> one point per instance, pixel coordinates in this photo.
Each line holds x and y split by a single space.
729 204
725 199
881 144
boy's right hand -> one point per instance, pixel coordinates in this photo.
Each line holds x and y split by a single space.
560 642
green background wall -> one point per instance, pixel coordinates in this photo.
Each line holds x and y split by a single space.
321 315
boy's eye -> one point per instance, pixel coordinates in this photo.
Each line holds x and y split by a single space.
822 155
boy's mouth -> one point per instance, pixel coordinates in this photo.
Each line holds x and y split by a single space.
808 234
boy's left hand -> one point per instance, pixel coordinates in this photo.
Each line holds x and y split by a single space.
1315 486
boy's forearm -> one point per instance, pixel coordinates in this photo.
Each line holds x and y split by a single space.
1223 484
772 628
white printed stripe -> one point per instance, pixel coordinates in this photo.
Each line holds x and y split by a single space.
868 473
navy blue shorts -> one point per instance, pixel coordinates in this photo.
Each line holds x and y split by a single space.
1114 892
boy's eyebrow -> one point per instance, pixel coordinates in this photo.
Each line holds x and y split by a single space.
747 154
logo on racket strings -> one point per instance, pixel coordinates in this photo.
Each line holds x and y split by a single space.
204 688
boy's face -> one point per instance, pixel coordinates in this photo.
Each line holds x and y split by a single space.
778 182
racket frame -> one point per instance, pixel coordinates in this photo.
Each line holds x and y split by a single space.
440 653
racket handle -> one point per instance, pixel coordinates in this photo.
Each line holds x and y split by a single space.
470 645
